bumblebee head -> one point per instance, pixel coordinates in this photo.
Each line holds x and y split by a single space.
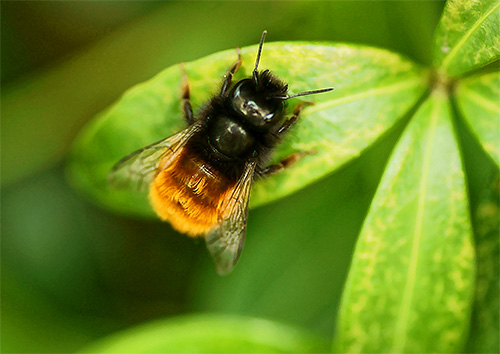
255 102
260 101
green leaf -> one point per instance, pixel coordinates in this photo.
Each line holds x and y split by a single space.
485 325
410 284
211 334
478 99
374 88
467 36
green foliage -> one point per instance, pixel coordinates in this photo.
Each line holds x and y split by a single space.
467 36
212 334
411 283
423 274
478 99
414 259
485 325
384 84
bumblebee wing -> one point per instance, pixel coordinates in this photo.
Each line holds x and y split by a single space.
225 241
138 169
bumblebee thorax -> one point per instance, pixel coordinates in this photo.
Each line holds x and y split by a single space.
229 137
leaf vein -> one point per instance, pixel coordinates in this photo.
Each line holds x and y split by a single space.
481 100
467 35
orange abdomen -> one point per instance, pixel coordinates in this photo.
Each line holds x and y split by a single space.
188 195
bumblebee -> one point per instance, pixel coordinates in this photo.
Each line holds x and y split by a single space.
199 179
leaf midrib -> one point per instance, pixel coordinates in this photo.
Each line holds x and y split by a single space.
459 45
404 314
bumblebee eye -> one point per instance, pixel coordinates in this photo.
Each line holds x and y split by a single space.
254 107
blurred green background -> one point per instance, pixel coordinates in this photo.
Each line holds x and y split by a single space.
73 273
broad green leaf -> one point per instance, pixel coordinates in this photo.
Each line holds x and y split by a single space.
374 88
410 284
485 325
479 99
211 334
468 36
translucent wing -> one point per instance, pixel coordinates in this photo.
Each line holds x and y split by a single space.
138 169
225 241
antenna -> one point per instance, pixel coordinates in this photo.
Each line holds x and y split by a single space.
313 92
255 77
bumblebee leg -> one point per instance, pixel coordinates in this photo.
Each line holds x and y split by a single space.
293 119
286 162
293 158
228 78
186 97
